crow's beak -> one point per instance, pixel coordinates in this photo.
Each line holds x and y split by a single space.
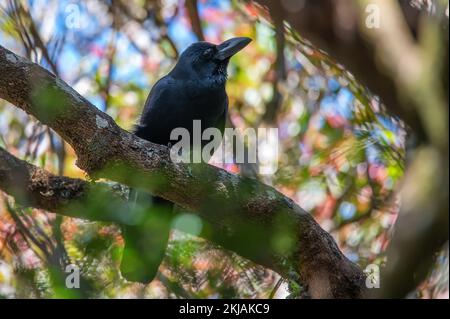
231 47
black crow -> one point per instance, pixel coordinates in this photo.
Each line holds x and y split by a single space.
193 90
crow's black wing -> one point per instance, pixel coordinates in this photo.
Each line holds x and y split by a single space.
159 115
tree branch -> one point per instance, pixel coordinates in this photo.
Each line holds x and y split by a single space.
246 209
33 186
192 10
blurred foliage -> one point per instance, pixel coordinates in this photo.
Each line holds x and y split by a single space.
341 155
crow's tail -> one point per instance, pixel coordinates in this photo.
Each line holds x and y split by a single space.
146 242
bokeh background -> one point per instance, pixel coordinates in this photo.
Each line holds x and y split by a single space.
341 155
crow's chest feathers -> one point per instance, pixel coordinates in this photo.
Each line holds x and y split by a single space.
205 100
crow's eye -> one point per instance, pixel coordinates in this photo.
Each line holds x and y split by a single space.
208 53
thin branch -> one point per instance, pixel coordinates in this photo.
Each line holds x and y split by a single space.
276 287
278 69
106 87
192 10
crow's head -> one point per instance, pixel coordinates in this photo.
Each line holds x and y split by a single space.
204 60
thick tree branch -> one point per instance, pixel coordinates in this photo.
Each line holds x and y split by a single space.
33 186
249 212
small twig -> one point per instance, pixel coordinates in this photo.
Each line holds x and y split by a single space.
111 51
192 10
276 287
